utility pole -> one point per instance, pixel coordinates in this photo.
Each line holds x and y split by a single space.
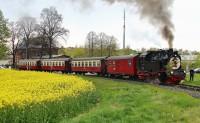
124 31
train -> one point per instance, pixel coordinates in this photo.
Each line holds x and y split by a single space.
161 65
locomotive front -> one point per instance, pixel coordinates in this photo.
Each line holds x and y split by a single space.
174 70
163 64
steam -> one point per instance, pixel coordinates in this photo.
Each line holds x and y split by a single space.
157 12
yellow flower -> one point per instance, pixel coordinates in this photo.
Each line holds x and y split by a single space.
24 87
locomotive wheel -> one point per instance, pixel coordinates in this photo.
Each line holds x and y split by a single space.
163 77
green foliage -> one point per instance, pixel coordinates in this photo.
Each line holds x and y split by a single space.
4 30
123 102
83 52
73 52
195 82
3 50
4 34
126 51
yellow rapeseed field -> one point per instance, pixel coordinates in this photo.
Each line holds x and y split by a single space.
19 88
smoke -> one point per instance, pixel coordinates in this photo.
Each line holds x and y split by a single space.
84 4
157 12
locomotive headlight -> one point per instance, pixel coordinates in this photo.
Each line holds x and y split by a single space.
172 72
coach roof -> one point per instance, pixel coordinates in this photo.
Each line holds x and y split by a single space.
57 59
89 58
121 57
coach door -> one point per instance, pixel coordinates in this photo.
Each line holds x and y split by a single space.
39 65
67 66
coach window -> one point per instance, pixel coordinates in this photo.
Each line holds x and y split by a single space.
90 64
59 64
93 63
82 63
79 63
98 63
86 64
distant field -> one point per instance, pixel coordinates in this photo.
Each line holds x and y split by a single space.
123 102
195 82
38 97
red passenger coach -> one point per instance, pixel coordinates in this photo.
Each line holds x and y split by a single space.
122 65
28 64
91 65
55 65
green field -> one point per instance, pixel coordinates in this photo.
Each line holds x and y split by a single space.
128 102
196 81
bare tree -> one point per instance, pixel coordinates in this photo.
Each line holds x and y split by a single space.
51 26
101 38
27 28
41 34
14 41
101 44
91 42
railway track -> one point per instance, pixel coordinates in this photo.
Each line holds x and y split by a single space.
193 91
189 87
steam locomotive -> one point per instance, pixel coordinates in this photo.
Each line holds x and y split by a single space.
162 65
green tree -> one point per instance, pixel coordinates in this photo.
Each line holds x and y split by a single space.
3 50
4 35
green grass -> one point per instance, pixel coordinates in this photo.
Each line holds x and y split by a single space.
123 102
48 112
196 81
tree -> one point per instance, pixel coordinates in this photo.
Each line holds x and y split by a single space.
51 25
14 41
4 34
101 44
91 42
27 27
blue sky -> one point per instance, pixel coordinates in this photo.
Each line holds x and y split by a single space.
102 17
